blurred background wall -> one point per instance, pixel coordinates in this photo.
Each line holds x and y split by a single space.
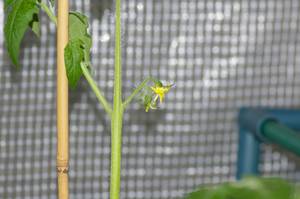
221 54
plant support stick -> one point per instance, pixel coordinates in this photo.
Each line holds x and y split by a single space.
117 115
62 102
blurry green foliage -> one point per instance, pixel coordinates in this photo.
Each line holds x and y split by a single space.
249 188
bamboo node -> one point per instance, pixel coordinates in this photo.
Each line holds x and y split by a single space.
62 166
62 169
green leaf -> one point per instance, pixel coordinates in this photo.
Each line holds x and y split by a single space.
297 192
203 193
74 54
78 28
7 3
78 48
248 188
20 13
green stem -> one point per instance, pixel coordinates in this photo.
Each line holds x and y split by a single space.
96 90
117 115
136 91
49 12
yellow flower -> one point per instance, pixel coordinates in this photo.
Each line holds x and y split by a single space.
160 91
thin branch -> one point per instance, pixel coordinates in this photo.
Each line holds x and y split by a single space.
49 12
96 89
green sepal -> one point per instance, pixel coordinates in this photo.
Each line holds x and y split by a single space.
157 82
146 99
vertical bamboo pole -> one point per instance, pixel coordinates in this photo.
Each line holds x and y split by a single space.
62 160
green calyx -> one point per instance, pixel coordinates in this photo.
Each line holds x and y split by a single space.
154 95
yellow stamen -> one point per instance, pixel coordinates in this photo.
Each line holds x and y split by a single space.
160 92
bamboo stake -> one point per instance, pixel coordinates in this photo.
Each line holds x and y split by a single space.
62 160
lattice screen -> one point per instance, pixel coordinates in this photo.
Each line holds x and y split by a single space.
222 54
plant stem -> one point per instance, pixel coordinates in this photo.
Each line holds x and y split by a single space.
136 91
48 11
117 115
96 90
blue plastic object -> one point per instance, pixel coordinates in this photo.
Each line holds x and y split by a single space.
248 154
251 133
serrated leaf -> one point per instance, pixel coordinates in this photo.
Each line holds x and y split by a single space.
78 29
78 25
78 48
74 54
20 13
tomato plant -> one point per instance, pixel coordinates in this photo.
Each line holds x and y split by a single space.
22 15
